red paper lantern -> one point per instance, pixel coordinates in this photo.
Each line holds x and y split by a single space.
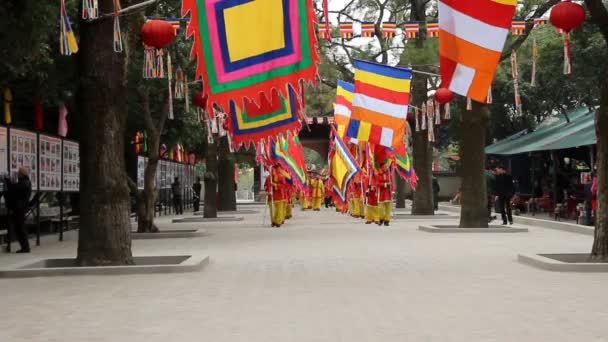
443 95
157 33
567 15
200 100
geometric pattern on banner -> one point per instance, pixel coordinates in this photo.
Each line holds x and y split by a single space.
247 47
343 167
249 122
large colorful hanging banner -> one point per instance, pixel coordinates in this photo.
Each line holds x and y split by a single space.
248 47
471 39
247 122
280 153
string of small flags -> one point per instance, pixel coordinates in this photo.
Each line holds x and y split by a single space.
410 29
169 79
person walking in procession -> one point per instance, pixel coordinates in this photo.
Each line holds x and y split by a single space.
17 202
197 187
318 192
274 185
504 190
386 194
176 191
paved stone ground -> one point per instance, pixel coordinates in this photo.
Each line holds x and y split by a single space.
323 277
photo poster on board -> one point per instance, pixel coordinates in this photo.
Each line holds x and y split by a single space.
71 166
142 162
49 160
24 150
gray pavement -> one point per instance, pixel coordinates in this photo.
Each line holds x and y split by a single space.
322 277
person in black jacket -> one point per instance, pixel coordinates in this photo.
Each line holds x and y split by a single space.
503 186
17 202
197 194
436 190
176 191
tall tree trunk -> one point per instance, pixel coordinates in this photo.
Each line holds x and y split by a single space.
226 184
474 212
422 155
146 199
599 251
210 206
105 229
401 191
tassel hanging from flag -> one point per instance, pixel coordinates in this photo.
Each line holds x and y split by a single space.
117 33
186 94
170 87
416 114
179 84
8 101
514 73
447 111
149 62
489 99
423 117
567 64
90 9
431 127
437 113
534 60
68 44
469 104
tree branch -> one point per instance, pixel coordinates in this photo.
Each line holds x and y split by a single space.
540 10
130 9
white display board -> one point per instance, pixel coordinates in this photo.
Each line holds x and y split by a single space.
71 166
24 149
49 160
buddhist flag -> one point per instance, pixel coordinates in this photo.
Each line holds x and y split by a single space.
412 29
388 29
344 103
325 30
367 29
432 29
472 36
380 103
518 27
346 30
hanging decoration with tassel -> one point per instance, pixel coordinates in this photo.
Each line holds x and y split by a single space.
179 84
423 117
67 40
469 104
437 114
534 60
170 85
416 114
489 99
514 74
187 94
155 34
118 48
567 16
8 102
90 9
431 128
448 116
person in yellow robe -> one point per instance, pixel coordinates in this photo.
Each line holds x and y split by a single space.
318 192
